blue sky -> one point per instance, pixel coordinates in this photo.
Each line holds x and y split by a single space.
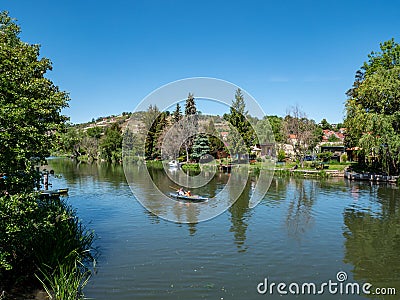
110 54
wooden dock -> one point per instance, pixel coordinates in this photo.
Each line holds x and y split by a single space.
370 177
314 173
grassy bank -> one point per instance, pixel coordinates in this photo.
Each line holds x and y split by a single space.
44 246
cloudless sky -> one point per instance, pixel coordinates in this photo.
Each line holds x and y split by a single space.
110 54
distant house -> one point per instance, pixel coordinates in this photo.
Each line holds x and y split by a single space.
329 133
293 138
268 149
256 150
224 135
336 151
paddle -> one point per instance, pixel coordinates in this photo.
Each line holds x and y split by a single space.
175 188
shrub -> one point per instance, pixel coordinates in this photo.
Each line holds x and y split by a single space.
324 156
38 234
281 155
343 158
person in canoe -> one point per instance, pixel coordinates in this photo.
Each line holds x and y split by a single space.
180 192
188 194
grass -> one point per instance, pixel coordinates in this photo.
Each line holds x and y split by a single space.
334 165
67 281
43 239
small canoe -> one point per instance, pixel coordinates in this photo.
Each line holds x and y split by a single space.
193 198
48 193
54 193
173 164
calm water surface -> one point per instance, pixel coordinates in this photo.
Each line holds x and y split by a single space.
302 231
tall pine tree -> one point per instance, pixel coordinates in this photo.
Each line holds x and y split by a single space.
191 122
200 147
214 139
241 134
177 115
155 122
190 106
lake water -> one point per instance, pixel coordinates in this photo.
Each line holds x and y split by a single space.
303 231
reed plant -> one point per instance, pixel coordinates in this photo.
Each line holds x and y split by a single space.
67 280
39 235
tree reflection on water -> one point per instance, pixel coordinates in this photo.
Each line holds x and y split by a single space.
372 233
299 214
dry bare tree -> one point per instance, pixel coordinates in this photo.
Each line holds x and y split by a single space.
299 132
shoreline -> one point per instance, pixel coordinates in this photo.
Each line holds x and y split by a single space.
372 177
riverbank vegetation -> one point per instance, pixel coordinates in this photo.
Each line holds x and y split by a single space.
42 239
370 134
373 111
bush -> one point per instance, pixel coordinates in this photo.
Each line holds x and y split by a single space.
37 235
324 156
343 158
281 155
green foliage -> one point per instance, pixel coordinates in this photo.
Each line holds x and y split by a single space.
343 158
325 125
34 233
191 169
30 106
333 138
66 281
37 234
387 58
339 126
190 123
133 146
324 156
264 131
155 122
281 155
277 128
69 141
94 132
241 135
373 109
177 115
190 106
111 144
323 174
200 147
214 139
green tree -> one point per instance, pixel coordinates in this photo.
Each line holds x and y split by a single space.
325 124
277 128
69 141
30 107
36 234
111 144
281 155
132 146
94 132
373 109
241 134
269 129
190 106
333 138
214 139
190 123
177 115
200 147
339 126
154 123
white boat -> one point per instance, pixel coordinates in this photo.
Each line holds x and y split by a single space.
173 164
